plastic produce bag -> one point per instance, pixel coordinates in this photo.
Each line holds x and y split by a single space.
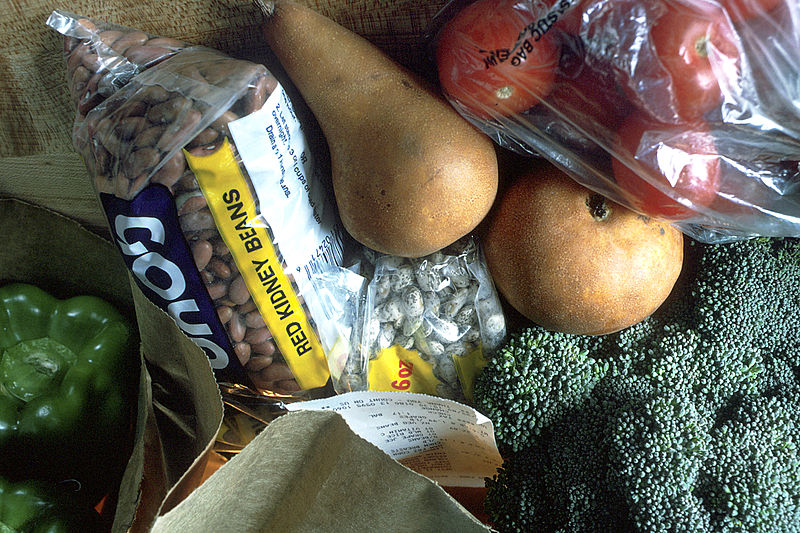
205 173
680 109
413 324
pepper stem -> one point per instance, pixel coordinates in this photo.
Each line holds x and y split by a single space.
33 367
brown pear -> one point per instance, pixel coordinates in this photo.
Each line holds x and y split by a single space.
410 175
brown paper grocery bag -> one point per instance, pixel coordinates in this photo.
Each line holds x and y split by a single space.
187 405
307 472
179 409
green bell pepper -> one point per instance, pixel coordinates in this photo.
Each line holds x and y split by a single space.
35 507
68 380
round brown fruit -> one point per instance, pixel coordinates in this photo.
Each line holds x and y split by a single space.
571 260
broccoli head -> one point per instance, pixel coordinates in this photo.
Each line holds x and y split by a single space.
688 421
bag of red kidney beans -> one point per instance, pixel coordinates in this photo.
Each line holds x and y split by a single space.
215 194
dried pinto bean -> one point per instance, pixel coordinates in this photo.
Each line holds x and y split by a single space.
92 61
257 335
236 328
80 78
258 363
202 251
154 94
277 371
248 307
134 38
197 220
256 95
76 56
187 182
101 159
137 108
171 171
220 268
148 136
224 313
128 128
238 291
207 277
89 98
242 351
254 320
166 42
145 55
168 110
218 290
207 136
177 133
220 248
88 24
267 348
217 71
138 161
221 123
109 37
136 185
104 183
191 202
287 386
200 151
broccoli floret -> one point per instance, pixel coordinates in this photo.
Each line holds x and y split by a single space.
687 421
577 474
711 373
656 450
751 476
516 497
550 373
747 292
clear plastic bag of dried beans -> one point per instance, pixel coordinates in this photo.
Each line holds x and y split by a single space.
215 194
421 325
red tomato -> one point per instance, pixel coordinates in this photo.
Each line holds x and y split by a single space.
740 10
695 44
498 56
583 110
578 12
587 92
570 14
681 159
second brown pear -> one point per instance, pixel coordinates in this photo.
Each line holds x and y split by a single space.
410 175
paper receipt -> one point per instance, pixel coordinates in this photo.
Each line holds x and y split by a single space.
446 441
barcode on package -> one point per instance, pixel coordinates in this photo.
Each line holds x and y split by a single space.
330 252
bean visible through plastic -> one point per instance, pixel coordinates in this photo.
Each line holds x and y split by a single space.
435 305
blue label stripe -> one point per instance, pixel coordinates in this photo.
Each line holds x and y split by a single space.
147 233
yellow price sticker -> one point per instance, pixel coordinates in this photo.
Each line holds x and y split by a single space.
398 369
